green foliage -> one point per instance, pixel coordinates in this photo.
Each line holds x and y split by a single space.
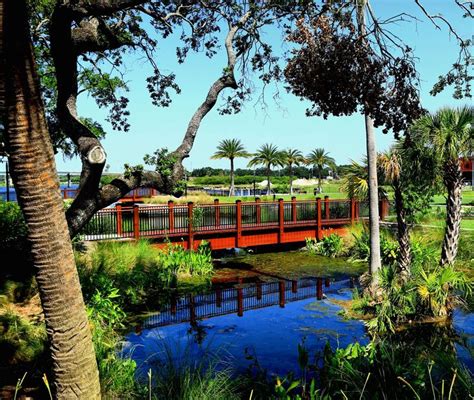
329 246
21 341
12 224
429 293
360 250
162 160
117 374
139 271
177 378
385 369
132 170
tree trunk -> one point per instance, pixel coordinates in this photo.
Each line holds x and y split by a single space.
375 262
37 186
232 186
319 179
404 255
453 182
291 180
268 182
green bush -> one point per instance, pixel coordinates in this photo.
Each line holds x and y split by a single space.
12 224
360 250
21 341
329 246
139 271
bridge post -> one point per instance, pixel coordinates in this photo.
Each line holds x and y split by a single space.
326 207
319 229
259 290
238 206
294 286
217 213
118 210
170 216
218 297
293 209
281 291
281 220
190 226
258 210
240 302
383 208
319 288
136 222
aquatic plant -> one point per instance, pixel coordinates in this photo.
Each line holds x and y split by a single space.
329 246
429 293
139 271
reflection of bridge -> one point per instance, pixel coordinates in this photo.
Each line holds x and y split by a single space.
240 298
228 225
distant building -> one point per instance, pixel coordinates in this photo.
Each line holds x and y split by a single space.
468 170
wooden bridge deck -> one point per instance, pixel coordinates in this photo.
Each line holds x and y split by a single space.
228 225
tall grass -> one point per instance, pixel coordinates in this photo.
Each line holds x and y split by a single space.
139 271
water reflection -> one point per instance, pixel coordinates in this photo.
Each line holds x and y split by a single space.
241 297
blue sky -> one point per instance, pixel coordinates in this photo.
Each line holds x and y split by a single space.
283 124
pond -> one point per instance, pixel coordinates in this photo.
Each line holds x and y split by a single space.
261 306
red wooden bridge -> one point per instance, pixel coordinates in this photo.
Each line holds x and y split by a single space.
228 225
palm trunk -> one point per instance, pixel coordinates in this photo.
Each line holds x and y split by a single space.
291 180
453 181
34 174
404 255
375 262
319 179
268 182
232 186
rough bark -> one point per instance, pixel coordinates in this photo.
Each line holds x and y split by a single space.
453 182
232 186
403 235
375 262
34 173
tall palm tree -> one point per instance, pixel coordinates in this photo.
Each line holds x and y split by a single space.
269 156
450 134
231 149
320 159
375 261
292 157
33 170
390 166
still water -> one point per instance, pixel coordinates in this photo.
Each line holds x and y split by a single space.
257 313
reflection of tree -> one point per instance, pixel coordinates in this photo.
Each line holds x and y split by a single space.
198 331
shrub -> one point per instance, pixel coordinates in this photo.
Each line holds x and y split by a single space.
329 246
140 271
21 341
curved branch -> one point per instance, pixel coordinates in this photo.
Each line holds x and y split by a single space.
225 81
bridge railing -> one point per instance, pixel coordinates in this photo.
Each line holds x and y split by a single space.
186 220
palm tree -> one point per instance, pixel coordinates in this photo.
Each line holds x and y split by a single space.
449 133
33 170
355 182
320 159
231 149
269 156
292 157
375 261
390 165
